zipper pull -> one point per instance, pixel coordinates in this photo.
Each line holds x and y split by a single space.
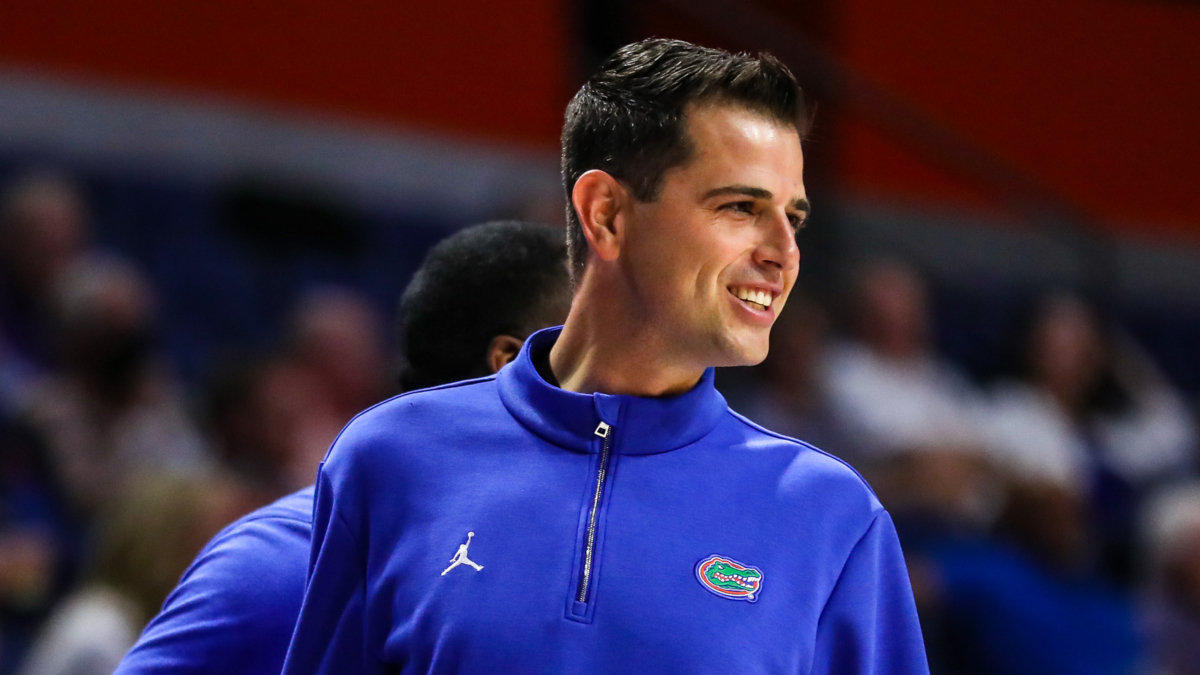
602 430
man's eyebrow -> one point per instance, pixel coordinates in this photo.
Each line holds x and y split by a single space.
755 193
743 190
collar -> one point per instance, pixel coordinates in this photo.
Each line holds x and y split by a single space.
643 426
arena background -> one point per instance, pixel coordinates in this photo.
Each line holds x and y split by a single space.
253 160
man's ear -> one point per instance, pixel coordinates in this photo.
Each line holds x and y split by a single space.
504 348
600 201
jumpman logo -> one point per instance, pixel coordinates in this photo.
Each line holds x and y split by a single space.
461 558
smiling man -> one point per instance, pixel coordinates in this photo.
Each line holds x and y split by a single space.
620 517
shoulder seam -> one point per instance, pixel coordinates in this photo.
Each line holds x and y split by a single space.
450 385
336 514
362 556
235 528
255 517
744 420
842 569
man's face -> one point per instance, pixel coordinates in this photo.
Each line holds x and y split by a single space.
713 259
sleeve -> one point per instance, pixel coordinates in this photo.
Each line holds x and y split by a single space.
234 608
869 625
330 636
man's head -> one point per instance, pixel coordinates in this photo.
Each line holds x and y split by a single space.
683 172
476 297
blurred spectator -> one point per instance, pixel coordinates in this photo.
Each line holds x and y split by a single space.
114 409
337 337
1092 415
907 413
887 384
1083 398
271 423
1027 601
273 419
147 538
1171 532
42 234
37 538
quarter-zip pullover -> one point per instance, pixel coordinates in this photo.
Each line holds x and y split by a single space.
505 525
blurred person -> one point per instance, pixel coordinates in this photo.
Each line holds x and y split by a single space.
887 384
1090 413
38 539
476 297
146 538
270 423
114 408
36 530
43 232
619 517
1171 534
337 336
336 366
1027 599
905 412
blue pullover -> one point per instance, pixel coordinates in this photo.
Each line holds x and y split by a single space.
235 607
505 525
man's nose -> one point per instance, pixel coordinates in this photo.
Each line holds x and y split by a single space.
778 247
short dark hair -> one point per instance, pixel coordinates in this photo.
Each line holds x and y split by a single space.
628 119
498 278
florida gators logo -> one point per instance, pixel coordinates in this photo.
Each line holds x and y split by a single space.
729 578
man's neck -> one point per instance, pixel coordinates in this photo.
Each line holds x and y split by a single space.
601 350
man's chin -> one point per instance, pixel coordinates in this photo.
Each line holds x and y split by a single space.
743 350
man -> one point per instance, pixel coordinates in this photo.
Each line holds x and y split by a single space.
626 520
234 609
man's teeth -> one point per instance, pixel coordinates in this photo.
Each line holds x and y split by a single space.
758 297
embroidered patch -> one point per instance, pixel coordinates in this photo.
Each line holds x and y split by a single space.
729 578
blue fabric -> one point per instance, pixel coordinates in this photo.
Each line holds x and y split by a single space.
1016 616
515 461
234 609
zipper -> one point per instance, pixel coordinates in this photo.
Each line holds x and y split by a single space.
605 432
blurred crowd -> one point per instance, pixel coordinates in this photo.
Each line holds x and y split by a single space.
113 474
1050 515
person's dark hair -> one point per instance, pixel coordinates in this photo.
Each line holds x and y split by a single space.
1104 392
498 278
628 119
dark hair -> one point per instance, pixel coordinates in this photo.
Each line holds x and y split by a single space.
498 278
628 119
1105 394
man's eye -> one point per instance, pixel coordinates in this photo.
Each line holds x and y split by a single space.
740 207
796 221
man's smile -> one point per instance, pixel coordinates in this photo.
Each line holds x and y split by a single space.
759 304
759 297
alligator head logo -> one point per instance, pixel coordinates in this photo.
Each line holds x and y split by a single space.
729 578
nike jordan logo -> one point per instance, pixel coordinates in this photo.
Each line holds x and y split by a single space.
460 558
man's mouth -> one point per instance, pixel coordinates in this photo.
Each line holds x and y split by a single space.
755 298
